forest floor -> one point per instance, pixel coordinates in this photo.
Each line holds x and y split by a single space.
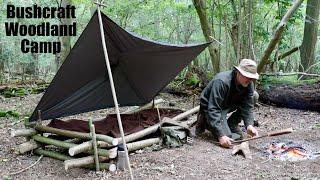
199 160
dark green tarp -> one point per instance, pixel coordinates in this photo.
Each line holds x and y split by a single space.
141 69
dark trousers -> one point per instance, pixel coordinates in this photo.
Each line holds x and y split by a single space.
229 126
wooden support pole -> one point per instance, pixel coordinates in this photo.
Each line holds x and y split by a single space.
75 134
113 91
23 132
94 145
142 144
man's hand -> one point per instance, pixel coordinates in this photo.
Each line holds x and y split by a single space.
225 141
252 131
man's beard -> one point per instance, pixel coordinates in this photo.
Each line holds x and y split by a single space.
245 84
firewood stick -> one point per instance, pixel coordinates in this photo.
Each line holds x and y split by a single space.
66 145
23 132
142 144
273 133
75 134
27 146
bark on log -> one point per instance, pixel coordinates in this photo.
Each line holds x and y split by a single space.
23 132
87 161
185 114
66 145
140 134
306 97
94 146
59 156
52 154
75 134
85 146
27 146
142 144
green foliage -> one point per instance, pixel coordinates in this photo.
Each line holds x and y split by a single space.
317 125
289 80
15 92
192 80
9 114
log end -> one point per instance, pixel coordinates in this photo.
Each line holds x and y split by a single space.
113 153
115 141
13 133
71 152
112 168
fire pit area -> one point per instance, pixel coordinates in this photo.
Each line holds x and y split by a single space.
290 151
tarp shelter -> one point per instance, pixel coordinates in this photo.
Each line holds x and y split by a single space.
141 69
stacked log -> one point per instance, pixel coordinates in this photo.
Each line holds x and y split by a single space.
94 150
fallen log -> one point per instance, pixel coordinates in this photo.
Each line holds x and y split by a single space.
66 145
74 134
142 144
23 132
27 146
305 97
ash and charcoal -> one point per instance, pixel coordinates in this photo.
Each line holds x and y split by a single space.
289 151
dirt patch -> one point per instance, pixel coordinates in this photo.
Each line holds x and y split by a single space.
199 160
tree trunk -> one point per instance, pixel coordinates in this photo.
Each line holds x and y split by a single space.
207 32
65 40
308 47
277 35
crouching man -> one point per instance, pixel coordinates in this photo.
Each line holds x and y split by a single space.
229 91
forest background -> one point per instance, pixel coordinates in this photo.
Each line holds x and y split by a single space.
238 28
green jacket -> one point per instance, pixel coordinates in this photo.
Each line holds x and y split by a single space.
223 94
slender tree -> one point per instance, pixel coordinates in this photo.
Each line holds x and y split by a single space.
308 47
207 32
